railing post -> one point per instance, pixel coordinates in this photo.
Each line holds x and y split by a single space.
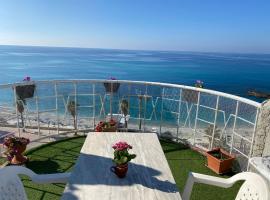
16 109
76 109
161 112
145 102
56 106
179 112
37 113
196 117
111 96
215 122
234 124
253 136
94 105
129 94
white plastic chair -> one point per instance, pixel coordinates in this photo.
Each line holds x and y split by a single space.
11 186
254 187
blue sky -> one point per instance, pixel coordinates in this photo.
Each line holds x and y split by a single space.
185 25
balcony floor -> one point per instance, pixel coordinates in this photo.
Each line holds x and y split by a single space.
61 156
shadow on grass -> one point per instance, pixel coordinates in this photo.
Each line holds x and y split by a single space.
43 166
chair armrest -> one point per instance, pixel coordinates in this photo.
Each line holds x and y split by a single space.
205 179
38 178
51 178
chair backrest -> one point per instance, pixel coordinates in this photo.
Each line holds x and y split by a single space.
254 187
11 186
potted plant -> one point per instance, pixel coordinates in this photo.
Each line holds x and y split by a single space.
192 95
103 126
219 160
25 91
72 109
111 87
15 147
20 109
124 109
121 158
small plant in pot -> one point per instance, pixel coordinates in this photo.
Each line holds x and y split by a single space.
121 158
72 109
124 109
15 146
20 109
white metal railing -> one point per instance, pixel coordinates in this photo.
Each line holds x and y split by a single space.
200 117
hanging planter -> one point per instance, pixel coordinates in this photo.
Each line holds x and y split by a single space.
25 91
111 87
219 161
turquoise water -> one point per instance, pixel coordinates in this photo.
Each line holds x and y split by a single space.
231 73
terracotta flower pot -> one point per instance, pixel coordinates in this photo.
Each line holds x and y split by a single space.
219 160
120 170
18 158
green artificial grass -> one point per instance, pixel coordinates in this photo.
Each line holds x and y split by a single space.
183 160
54 157
62 155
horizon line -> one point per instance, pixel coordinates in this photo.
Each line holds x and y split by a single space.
124 49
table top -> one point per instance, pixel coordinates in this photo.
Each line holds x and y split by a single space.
149 176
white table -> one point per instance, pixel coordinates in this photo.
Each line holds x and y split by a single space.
149 176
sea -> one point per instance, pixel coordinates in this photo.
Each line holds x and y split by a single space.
232 73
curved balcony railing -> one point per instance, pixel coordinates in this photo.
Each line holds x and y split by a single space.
199 117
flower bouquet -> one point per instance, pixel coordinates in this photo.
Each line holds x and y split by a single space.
199 84
121 158
103 126
15 147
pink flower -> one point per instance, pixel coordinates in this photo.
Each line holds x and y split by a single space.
120 146
27 78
